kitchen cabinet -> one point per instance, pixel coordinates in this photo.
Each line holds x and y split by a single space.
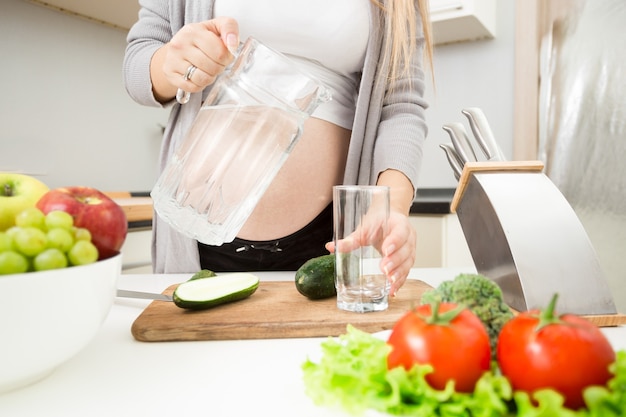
136 252
440 242
452 20
462 20
440 238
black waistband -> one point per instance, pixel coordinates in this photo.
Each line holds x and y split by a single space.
286 253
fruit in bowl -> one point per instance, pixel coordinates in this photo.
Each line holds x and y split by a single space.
56 286
38 242
17 192
92 210
47 317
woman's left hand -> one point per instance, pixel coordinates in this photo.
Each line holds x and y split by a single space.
398 248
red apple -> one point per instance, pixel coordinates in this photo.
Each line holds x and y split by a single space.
93 210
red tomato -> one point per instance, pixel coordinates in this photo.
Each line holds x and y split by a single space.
566 353
457 347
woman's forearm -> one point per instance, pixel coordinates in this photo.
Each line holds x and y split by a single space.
401 190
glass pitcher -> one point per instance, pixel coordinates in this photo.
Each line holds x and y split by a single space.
242 135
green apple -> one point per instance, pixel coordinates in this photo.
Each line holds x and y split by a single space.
17 192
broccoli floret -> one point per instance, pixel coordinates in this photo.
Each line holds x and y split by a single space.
481 295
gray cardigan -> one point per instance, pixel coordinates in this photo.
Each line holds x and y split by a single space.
388 132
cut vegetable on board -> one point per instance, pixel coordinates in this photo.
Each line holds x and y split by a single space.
212 291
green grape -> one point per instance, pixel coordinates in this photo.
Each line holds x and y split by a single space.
12 262
30 217
80 233
82 253
11 231
60 238
51 258
59 218
6 242
30 241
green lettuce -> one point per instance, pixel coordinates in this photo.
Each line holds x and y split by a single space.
352 375
609 401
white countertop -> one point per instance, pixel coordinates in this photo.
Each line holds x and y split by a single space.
118 376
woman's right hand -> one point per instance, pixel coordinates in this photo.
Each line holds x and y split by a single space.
208 46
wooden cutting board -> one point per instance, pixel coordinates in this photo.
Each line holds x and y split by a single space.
275 310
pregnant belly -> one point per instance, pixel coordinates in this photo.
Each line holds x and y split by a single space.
303 186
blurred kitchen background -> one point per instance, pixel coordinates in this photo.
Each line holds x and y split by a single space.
68 118
548 74
582 122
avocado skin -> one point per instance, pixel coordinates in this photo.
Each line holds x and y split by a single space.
315 279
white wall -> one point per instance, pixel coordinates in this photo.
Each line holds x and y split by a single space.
65 114
471 74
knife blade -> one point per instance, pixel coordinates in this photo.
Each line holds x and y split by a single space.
143 295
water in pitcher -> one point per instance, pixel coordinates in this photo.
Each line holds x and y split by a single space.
222 168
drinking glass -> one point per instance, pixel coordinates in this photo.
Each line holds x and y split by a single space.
360 219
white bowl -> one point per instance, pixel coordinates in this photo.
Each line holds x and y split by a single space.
47 317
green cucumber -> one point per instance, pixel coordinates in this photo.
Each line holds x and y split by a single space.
200 294
315 279
203 273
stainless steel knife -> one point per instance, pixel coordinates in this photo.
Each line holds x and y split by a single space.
483 134
453 159
143 295
460 141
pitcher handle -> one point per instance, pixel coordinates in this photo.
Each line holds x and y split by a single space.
182 96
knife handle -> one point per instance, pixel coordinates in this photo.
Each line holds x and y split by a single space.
483 133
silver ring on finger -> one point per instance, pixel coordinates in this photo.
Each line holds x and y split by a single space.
189 73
